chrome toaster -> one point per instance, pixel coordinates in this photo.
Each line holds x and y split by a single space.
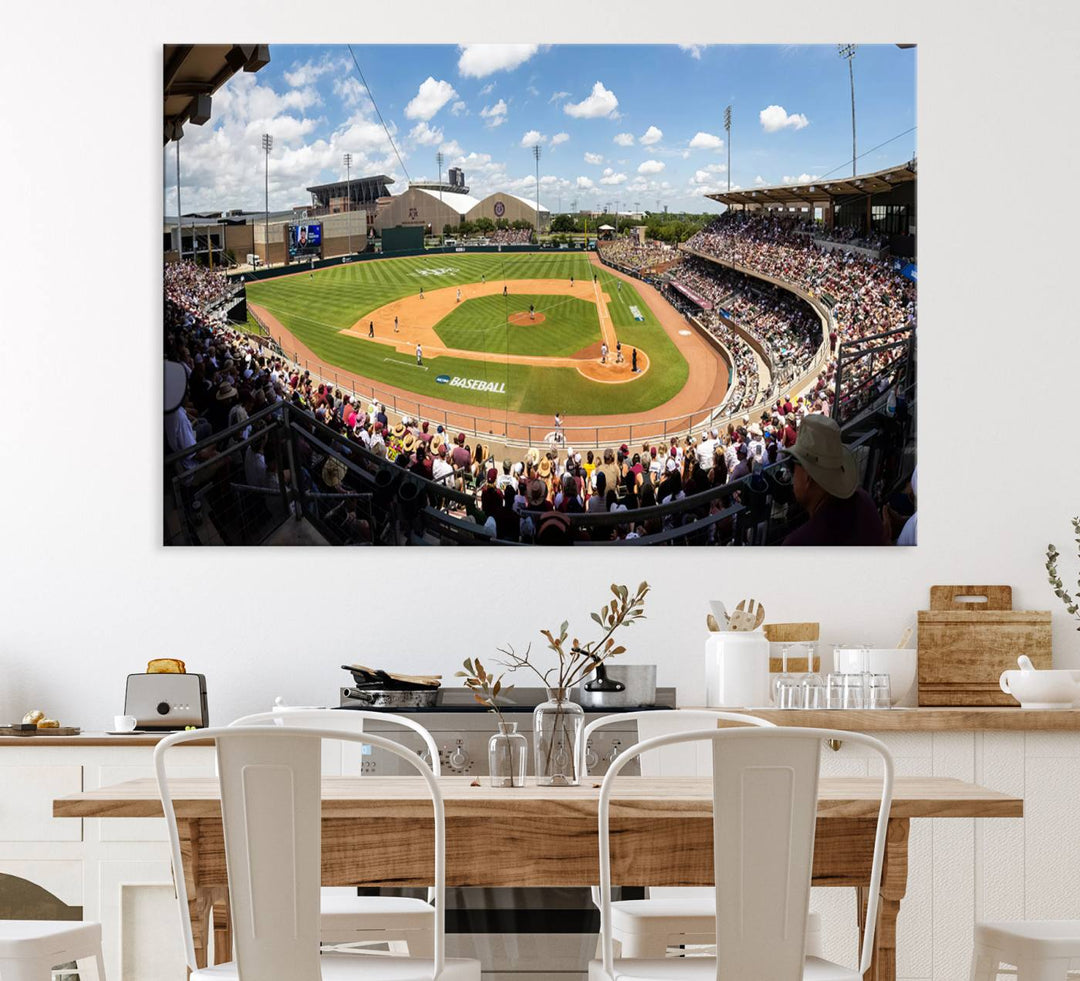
164 702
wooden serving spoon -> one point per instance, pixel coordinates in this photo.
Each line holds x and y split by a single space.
748 615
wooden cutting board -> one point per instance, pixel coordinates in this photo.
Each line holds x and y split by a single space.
964 646
61 731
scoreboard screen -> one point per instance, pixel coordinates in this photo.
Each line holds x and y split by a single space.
305 241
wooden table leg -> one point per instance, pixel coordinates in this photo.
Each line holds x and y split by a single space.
222 921
198 908
893 889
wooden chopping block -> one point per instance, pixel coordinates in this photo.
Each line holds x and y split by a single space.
964 646
793 633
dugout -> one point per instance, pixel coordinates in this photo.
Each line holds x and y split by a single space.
403 238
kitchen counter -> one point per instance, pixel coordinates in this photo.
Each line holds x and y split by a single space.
88 739
923 719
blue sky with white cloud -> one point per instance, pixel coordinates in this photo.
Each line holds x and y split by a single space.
640 125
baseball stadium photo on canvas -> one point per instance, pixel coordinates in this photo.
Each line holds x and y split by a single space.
527 294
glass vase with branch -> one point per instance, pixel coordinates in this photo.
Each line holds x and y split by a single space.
558 722
508 750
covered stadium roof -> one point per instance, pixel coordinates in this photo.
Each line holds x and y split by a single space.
531 202
821 192
459 202
194 72
341 187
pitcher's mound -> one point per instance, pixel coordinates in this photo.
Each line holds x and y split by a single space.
522 319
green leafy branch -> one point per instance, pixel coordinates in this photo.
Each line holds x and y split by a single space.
486 688
1072 602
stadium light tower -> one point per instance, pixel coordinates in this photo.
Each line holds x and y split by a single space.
267 144
727 130
179 213
848 51
536 156
348 196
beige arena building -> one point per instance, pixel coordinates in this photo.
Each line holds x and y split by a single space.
432 208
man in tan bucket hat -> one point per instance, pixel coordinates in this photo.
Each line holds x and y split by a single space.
826 484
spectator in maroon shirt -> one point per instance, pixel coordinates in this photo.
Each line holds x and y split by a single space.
826 484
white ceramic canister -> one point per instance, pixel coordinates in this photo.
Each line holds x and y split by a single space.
737 669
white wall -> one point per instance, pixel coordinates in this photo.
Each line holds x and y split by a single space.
87 594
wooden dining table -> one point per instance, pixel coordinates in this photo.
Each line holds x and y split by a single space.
377 832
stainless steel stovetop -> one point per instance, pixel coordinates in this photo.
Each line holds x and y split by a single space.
528 934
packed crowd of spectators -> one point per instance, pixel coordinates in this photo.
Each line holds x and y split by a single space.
787 329
871 296
626 254
840 234
194 288
510 236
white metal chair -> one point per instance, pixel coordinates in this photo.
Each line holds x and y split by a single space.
271 810
30 949
673 916
765 790
1041 950
346 917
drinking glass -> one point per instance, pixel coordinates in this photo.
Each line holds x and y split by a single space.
853 691
834 690
813 691
788 692
785 676
879 694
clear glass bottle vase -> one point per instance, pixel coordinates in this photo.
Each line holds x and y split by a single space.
508 756
557 725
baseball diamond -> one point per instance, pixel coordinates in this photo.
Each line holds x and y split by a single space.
539 346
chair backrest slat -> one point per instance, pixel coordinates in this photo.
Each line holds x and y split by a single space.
765 813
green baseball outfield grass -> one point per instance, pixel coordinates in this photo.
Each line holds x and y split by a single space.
317 308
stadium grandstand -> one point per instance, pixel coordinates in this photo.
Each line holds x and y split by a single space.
806 293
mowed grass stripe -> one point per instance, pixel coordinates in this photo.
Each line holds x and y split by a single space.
316 309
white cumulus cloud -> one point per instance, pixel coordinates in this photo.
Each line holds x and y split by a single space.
759 179
458 108
775 118
801 179
612 178
495 115
558 96
599 103
585 183
429 99
706 141
480 60
624 139
594 158
559 138
694 50
651 167
425 135
652 135
532 137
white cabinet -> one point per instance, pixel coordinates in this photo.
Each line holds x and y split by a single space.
117 870
26 803
961 870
